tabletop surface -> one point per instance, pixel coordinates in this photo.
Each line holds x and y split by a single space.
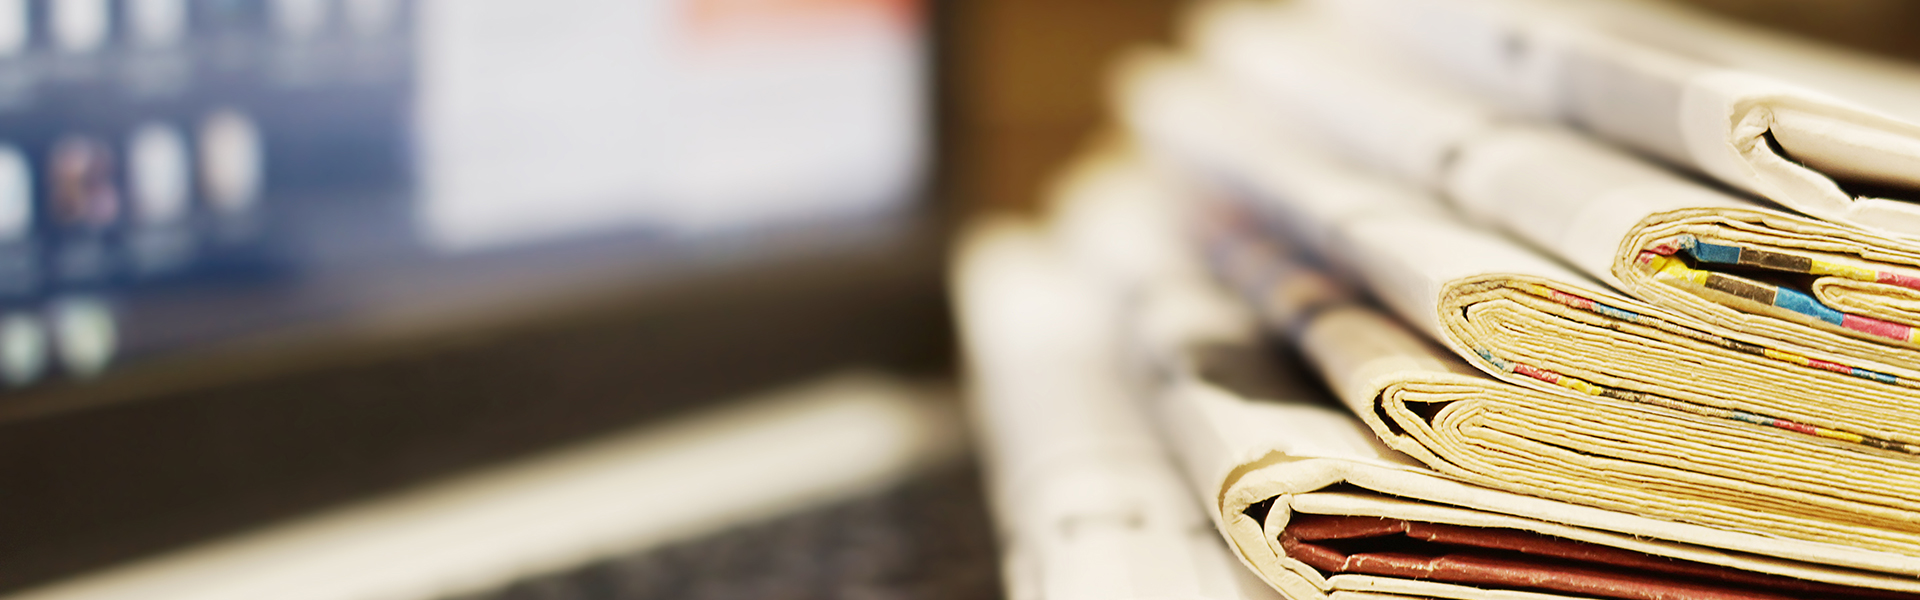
928 538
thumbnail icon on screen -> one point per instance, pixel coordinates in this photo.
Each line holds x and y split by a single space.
81 176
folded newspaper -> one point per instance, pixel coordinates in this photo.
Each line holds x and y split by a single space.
1319 507
1313 501
1846 294
1088 503
1820 131
1616 403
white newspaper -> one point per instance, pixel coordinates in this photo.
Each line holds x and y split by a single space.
1651 233
1087 501
1607 401
1822 132
1262 451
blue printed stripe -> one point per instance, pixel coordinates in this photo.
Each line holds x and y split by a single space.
1802 303
1712 253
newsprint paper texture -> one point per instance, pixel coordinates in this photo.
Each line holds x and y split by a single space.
1647 410
1822 131
1294 482
1615 217
1087 502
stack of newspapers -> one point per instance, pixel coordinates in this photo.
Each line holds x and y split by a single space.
1464 299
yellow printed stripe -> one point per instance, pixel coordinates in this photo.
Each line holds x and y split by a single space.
1581 386
1792 358
1667 266
1840 435
1847 271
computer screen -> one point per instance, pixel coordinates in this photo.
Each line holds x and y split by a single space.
175 174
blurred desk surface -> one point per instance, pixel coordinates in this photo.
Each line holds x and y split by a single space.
138 464
927 539
849 486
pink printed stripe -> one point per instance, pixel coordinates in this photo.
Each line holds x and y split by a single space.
1905 281
1877 327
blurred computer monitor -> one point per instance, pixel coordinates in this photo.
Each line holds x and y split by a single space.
201 199
180 174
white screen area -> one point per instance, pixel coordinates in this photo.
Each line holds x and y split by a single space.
559 118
